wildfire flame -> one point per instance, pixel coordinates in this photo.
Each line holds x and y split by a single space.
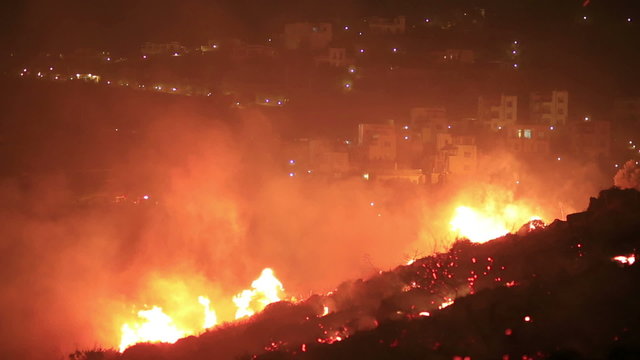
156 327
480 227
210 318
265 290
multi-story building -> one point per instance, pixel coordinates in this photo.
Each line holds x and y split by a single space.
532 139
329 157
456 157
498 112
429 121
396 25
305 35
377 143
549 108
334 57
303 157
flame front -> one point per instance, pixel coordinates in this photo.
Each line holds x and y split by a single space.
482 226
265 290
210 318
156 327
476 227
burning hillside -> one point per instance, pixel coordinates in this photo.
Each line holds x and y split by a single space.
535 294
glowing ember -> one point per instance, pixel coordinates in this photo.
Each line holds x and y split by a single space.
536 223
448 302
424 313
265 290
156 327
325 311
210 318
626 260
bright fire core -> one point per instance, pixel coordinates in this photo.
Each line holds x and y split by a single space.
482 226
154 325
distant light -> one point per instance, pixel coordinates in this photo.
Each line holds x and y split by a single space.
108 82
629 20
117 129
267 100
292 174
365 176
146 197
427 20
394 50
586 118
584 18
292 162
508 332
424 313
279 102
361 52
517 182
309 171
616 165
372 203
50 69
360 33
173 89
24 70
515 42
406 138
448 126
176 54
558 158
144 56
527 318
551 128
515 66
209 94
499 127
347 85
514 52
346 27
269 39
108 59
406 127
215 46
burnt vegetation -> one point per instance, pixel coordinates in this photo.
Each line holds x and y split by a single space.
552 293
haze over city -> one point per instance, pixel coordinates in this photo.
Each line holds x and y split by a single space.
239 179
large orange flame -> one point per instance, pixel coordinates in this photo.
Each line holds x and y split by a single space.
264 290
155 327
481 226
